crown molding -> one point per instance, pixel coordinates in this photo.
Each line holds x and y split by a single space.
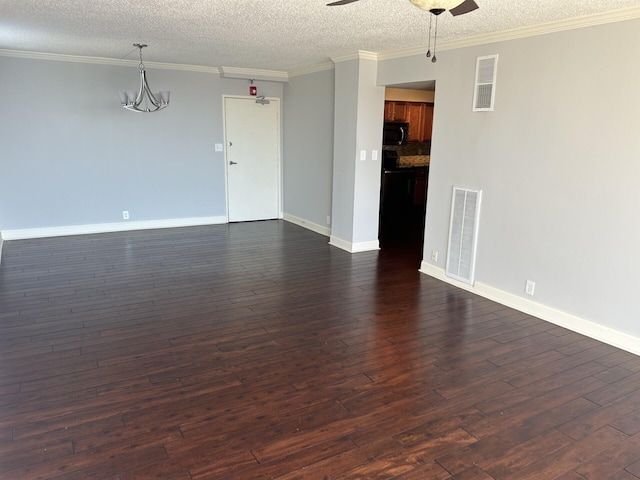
592 20
57 57
253 74
313 69
360 54
226 72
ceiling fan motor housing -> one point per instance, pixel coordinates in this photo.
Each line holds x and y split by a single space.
442 5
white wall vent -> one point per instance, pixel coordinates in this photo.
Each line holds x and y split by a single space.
463 234
485 85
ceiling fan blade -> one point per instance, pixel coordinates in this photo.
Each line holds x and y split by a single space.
340 2
465 7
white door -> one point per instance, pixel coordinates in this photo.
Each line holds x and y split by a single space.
252 135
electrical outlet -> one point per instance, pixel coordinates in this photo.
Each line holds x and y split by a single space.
125 214
328 219
434 256
530 287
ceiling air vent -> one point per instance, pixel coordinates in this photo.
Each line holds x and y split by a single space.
485 86
463 234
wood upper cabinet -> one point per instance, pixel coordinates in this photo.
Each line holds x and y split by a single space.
428 122
395 111
415 118
418 115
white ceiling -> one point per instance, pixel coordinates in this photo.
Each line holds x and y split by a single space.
258 34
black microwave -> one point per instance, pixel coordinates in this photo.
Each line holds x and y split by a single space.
395 133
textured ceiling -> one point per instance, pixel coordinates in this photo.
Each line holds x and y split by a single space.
259 34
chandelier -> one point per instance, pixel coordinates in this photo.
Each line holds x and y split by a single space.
144 100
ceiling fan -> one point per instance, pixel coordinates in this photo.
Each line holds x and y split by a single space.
456 7
435 7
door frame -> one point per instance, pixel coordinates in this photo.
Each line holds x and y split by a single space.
279 174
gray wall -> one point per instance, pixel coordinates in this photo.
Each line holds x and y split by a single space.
557 162
308 146
344 148
369 138
72 156
358 120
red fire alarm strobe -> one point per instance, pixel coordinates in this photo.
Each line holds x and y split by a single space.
253 90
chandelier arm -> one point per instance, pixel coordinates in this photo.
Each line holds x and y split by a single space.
140 95
154 101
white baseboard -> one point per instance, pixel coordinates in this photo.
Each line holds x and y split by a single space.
354 247
21 234
314 227
572 322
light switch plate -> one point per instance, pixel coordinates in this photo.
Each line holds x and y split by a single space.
363 155
374 155
218 147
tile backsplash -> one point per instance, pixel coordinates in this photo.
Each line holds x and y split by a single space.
414 160
409 149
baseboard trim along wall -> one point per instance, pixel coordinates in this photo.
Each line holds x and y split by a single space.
22 234
574 323
314 227
356 247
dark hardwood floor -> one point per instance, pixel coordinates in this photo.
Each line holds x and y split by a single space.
257 351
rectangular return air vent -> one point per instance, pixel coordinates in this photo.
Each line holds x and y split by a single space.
485 85
463 234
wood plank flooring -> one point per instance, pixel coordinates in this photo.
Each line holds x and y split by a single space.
258 351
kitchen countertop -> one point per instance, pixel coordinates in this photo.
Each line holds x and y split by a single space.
413 161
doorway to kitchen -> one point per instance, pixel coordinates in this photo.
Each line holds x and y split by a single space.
252 139
406 155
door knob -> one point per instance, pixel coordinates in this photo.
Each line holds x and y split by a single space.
233 163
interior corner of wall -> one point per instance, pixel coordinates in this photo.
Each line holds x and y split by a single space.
314 227
340 243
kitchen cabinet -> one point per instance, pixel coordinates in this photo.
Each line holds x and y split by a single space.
428 122
395 111
415 117
418 115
